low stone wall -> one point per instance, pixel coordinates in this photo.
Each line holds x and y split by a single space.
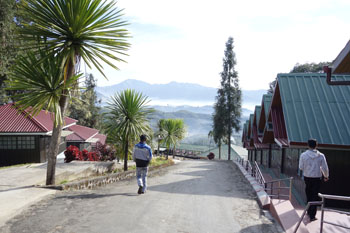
95 182
263 198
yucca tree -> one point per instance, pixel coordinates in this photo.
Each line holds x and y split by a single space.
173 131
91 30
40 84
127 117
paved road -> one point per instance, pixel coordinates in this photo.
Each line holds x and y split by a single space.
192 196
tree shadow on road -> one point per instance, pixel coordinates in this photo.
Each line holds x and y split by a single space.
213 179
266 228
95 195
16 188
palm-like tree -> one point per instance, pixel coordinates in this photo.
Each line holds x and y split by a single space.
91 30
40 84
173 131
127 117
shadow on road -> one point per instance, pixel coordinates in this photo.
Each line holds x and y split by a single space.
95 196
216 179
16 188
260 228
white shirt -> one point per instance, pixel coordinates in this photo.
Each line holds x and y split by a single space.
313 162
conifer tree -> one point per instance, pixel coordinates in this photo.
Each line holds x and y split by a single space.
228 106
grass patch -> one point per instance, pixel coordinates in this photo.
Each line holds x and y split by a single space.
154 162
64 181
160 161
17 165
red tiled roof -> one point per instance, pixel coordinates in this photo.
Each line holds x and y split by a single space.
81 133
11 121
102 138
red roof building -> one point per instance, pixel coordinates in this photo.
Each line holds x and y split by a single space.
84 137
12 121
25 138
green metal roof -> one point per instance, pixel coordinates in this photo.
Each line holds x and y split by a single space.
266 101
257 113
314 109
251 118
245 131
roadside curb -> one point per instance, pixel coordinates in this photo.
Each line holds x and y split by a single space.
90 183
263 198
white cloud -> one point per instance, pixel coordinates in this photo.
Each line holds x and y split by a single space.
184 40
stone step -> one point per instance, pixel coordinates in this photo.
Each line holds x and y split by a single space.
286 215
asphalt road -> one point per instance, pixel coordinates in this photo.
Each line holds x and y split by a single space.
192 196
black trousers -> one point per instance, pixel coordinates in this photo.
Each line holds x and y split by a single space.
312 188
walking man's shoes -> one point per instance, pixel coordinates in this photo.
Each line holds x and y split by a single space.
140 190
313 219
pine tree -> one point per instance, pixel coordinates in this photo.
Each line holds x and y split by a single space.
85 105
229 97
7 43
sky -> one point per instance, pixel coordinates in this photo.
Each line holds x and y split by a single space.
184 40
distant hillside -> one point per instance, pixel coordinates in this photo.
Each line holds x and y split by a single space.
208 109
197 123
197 117
173 90
181 93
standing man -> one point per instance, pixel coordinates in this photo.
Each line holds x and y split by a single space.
312 163
142 155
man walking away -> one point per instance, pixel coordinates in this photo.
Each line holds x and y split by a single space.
312 163
142 155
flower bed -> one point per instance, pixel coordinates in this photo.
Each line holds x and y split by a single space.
102 153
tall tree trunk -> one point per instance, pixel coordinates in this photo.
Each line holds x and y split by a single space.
56 133
174 152
158 147
52 153
54 145
229 145
219 151
126 152
167 153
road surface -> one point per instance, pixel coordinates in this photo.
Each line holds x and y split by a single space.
192 196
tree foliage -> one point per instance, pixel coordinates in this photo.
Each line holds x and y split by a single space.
228 104
127 119
309 67
172 131
71 30
8 50
85 105
302 68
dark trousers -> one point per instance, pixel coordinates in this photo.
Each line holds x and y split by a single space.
312 188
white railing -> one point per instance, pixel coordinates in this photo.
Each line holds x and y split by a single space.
322 203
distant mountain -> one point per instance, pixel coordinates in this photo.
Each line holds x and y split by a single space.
197 123
173 90
181 93
207 109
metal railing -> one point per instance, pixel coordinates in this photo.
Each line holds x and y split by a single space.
272 188
275 186
322 203
258 175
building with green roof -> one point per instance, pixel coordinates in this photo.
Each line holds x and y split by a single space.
304 106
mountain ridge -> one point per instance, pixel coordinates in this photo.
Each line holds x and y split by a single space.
183 93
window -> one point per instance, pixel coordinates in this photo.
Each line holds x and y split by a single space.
8 143
26 142
20 142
